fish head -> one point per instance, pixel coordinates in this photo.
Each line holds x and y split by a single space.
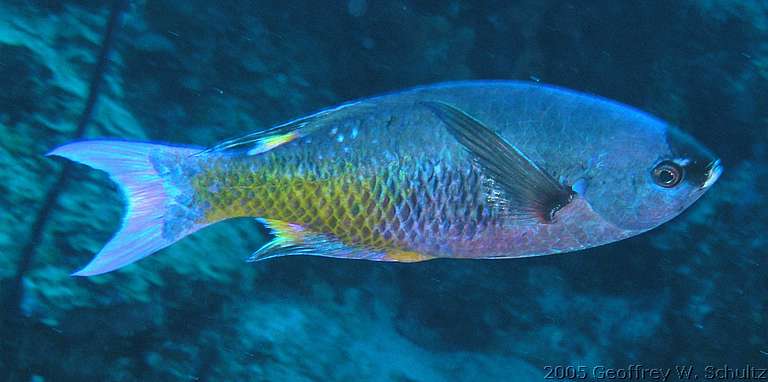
656 173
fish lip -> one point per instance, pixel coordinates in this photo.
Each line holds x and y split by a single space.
714 170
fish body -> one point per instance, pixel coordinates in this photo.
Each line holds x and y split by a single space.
459 170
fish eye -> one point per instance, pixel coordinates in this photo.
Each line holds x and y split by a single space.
667 174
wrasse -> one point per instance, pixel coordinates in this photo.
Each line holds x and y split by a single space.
491 169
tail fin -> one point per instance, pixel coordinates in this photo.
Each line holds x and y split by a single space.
157 194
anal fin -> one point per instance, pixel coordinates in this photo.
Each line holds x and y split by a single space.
287 239
406 256
290 239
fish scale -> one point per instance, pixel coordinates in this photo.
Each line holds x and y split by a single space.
392 210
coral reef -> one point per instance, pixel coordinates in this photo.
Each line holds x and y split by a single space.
690 292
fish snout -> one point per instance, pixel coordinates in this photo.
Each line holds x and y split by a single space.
712 173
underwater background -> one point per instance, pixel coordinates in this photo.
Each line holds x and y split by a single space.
692 293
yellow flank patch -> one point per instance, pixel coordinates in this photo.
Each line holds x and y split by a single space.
277 140
285 232
406 256
352 209
270 142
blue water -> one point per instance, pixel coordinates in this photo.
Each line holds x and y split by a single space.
688 297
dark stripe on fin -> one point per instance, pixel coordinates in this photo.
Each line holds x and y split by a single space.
530 191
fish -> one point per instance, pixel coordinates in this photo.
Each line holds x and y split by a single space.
470 170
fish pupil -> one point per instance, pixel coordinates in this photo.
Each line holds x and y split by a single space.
667 176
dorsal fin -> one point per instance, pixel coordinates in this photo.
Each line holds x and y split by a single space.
530 191
265 140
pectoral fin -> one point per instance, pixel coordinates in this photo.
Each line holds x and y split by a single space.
530 191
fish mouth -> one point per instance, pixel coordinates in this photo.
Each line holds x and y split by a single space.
713 171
